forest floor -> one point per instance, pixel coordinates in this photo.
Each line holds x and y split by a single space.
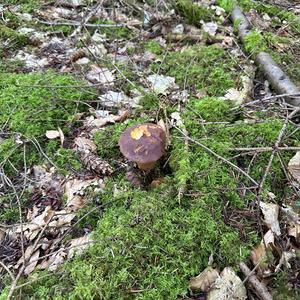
80 221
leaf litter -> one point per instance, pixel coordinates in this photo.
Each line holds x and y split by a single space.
63 55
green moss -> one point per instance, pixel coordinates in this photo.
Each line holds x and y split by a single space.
114 32
30 105
255 43
192 12
198 67
26 6
228 5
15 39
147 240
149 101
154 47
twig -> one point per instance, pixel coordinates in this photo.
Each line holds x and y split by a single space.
7 270
260 288
80 24
218 156
88 17
275 149
265 149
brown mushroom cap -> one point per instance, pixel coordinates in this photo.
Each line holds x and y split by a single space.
143 144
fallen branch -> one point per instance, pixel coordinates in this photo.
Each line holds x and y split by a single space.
281 83
259 287
278 79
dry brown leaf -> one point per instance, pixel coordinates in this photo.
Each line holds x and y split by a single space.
204 280
259 253
294 166
78 245
85 145
74 191
32 262
295 232
62 218
227 286
270 212
36 225
54 261
52 134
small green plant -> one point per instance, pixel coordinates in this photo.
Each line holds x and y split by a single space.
154 47
149 101
192 12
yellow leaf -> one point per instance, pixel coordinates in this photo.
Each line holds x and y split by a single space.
138 132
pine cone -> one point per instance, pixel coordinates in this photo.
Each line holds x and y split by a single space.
95 164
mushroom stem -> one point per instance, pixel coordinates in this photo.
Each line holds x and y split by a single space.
146 166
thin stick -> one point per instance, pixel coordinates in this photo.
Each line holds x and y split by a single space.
83 25
260 288
265 149
7 270
218 156
88 17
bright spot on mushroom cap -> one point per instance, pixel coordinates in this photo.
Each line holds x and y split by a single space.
143 143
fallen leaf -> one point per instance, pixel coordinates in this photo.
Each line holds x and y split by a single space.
160 84
284 260
74 192
294 166
118 99
258 254
32 228
139 131
79 245
294 231
210 28
204 280
52 134
270 212
100 75
61 136
32 262
85 145
227 286
62 218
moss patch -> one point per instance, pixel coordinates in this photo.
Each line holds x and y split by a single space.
30 105
201 68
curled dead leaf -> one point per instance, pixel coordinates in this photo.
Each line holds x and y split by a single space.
294 166
227 286
270 212
204 280
78 245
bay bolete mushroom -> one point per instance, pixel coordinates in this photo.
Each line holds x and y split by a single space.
143 144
